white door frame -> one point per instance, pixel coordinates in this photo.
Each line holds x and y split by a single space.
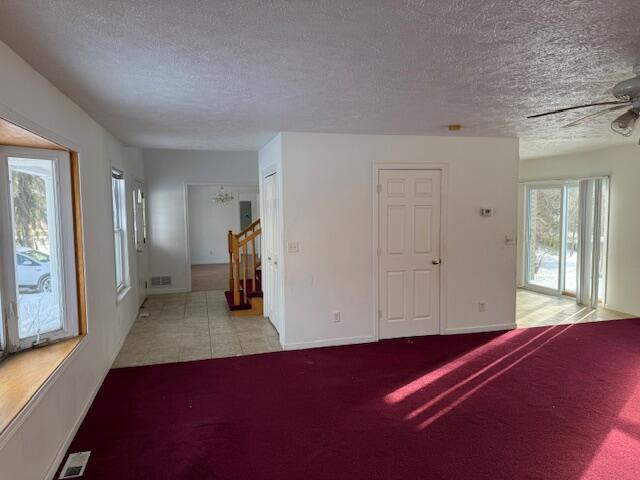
279 242
375 261
187 236
141 256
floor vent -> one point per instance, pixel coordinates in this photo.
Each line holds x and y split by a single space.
75 465
161 281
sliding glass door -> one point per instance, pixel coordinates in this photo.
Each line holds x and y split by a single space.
565 238
544 235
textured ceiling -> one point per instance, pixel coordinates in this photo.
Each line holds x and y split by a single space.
227 74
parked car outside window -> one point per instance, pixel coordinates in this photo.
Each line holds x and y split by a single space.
33 270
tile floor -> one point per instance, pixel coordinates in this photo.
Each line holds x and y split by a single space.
213 276
193 326
535 309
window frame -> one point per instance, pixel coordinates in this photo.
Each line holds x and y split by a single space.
10 341
119 223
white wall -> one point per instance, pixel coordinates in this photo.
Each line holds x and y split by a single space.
328 209
623 165
31 447
166 173
209 223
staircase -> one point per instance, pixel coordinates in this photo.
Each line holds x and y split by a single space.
244 296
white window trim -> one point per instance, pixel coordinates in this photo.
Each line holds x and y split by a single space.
63 193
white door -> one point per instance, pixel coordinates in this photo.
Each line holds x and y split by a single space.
409 255
270 230
140 238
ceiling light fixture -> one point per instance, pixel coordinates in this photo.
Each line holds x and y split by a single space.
222 198
624 123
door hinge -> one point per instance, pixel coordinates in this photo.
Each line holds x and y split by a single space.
379 188
379 252
379 313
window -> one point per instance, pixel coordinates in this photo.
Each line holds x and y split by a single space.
38 282
119 229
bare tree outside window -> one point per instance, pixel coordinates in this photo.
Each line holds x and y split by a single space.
30 211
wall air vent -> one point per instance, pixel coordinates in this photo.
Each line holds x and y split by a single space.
161 281
75 465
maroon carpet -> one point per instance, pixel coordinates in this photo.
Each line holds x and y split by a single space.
542 403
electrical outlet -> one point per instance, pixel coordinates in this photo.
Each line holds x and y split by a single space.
293 247
482 306
486 211
336 317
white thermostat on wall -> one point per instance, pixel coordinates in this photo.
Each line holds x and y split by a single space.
486 211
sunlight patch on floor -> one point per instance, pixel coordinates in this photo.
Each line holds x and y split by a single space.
536 309
418 384
448 408
619 449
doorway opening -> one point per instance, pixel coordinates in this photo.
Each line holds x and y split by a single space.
213 211
139 210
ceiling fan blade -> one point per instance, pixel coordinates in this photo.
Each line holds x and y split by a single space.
594 115
560 110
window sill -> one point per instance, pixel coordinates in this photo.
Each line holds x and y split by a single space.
23 375
121 295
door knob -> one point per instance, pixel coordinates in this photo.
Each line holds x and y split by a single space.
436 261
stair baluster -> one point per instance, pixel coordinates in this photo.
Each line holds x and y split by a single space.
241 289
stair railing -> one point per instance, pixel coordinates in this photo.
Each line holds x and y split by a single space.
239 261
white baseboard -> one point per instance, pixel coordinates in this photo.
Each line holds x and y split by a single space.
329 342
161 291
481 328
53 468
